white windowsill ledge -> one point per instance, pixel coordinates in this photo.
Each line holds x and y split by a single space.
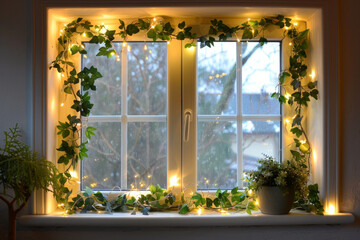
159 219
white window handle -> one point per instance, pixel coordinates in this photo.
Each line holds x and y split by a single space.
187 120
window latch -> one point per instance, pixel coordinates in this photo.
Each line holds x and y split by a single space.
187 120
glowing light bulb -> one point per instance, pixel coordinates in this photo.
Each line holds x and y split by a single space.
287 96
73 174
129 48
302 141
103 30
223 212
145 47
124 44
174 181
152 26
257 203
331 209
62 104
312 75
250 192
248 19
253 31
62 75
149 176
84 35
112 54
154 19
168 42
287 121
290 44
286 28
238 40
117 58
199 211
295 23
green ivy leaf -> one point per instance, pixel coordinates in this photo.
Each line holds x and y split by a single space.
132 29
122 24
152 34
314 93
181 25
184 209
262 41
297 131
158 28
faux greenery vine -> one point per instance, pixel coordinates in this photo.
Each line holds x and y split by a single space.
294 89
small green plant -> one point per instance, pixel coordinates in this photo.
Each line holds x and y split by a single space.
287 175
21 173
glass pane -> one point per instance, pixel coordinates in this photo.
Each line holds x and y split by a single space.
107 97
102 170
147 154
260 71
260 137
216 155
147 78
216 79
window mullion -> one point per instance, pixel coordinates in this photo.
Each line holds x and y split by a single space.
239 114
124 79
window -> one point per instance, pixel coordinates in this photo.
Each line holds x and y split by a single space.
236 119
130 106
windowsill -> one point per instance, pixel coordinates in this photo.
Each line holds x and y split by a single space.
158 219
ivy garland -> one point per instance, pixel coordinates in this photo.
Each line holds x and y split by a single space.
291 80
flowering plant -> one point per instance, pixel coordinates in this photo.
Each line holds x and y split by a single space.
291 174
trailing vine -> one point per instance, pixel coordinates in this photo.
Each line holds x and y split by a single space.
294 89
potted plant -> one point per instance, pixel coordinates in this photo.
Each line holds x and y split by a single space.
276 184
21 173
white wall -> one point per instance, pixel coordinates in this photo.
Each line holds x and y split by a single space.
15 96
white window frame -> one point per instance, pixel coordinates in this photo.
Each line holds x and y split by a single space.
324 41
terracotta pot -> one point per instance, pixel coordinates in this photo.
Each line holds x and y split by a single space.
273 201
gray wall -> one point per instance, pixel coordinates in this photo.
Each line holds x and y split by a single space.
15 79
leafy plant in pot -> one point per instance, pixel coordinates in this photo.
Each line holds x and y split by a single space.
21 173
276 184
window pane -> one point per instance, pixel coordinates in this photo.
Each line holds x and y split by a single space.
102 169
147 154
216 79
260 71
217 155
147 78
107 97
260 137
